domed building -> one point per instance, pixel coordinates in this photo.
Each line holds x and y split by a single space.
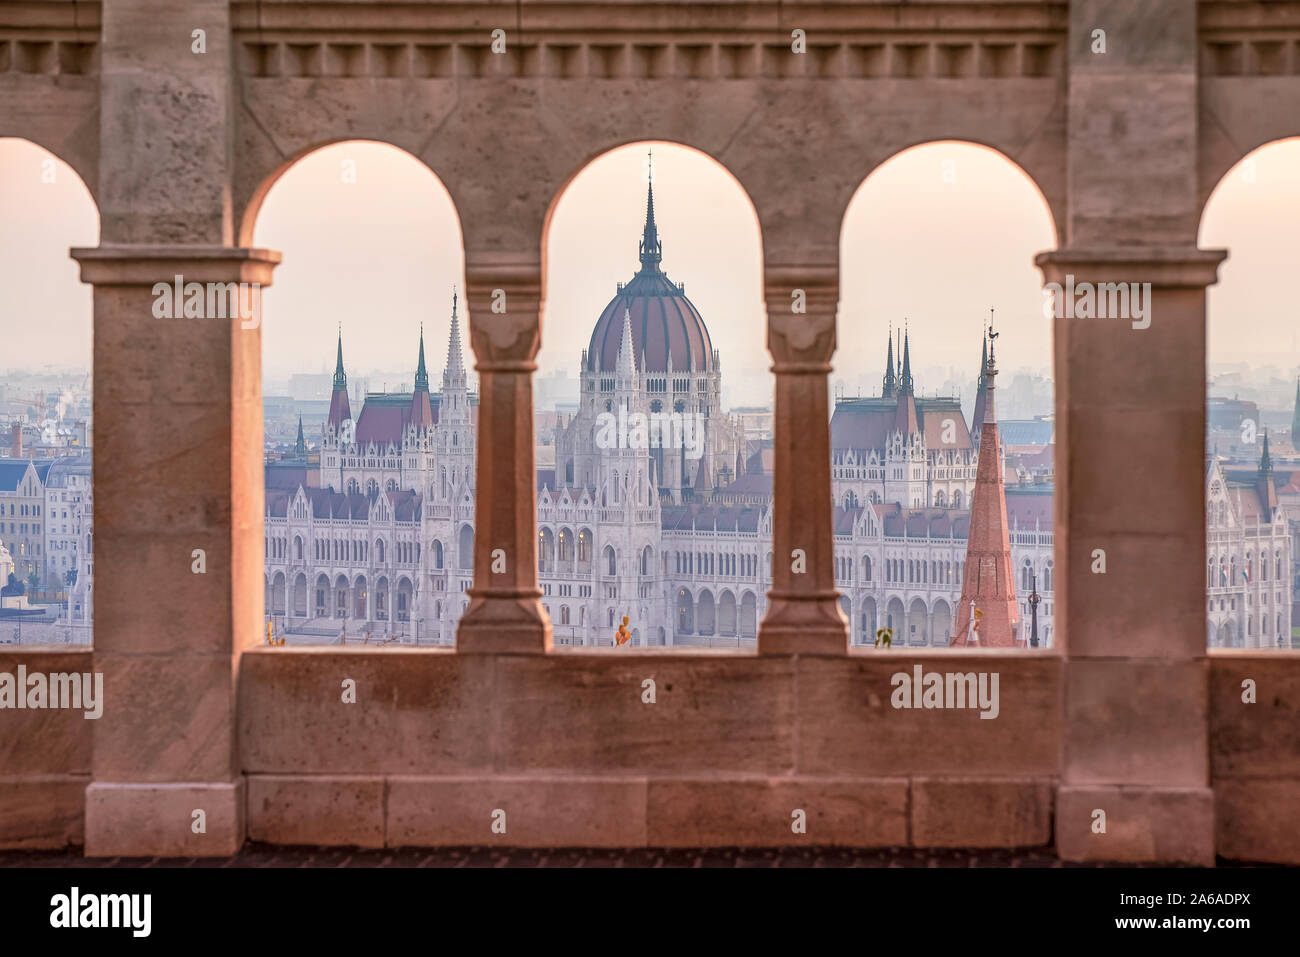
651 354
637 477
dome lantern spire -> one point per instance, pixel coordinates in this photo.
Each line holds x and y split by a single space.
652 250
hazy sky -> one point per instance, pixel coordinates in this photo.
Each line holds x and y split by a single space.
937 235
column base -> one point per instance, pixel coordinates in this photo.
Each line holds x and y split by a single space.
157 820
503 624
1143 824
803 625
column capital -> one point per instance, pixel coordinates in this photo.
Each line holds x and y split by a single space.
136 264
802 302
504 299
1164 266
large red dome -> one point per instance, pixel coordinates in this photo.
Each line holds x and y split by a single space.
664 321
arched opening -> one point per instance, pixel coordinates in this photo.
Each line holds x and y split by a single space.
368 393
918 624
47 561
465 548
405 599
685 612
1252 439
941 623
727 615
894 620
705 617
322 598
545 551
867 615
653 396
919 364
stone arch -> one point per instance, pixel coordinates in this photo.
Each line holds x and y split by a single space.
918 623
277 594
405 600
73 154
706 619
465 548
940 623
1044 171
546 551
598 152
299 604
380 608
342 589
685 612
748 615
256 176
360 598
895 619
321 599
866 623
609 561
1225 158
727 614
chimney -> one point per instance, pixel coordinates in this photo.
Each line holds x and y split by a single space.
16 441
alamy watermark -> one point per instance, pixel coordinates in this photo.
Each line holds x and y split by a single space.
209 300
130 911
946 689
666 430
57 690
1106 300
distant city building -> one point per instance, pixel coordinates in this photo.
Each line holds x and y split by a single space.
22 516
1249 547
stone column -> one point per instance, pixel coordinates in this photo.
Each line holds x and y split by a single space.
504 613
804 615
179 541
1130 419
1130 583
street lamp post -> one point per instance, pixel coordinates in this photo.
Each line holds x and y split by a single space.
1034 599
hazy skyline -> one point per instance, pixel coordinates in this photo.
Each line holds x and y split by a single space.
937 234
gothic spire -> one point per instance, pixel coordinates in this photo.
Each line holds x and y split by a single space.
626 350
651 248
340 409
455 362
421 373
340 377
1264 483
890 382
300 446
905 382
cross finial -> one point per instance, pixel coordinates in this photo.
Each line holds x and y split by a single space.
650 164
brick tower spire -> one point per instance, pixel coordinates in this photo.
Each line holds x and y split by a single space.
988 583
